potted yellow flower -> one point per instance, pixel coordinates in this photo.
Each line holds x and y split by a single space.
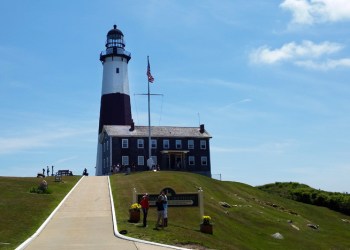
206 226
134 212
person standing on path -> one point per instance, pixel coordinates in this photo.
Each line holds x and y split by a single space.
160 211
165 205
145 206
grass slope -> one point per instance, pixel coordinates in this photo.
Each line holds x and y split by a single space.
300 192
248 224
22 212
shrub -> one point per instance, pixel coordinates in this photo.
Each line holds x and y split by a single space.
43 188
40 191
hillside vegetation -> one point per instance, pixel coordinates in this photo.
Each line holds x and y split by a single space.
247 221
300 192
22 212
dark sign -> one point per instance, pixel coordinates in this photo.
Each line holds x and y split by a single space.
174 200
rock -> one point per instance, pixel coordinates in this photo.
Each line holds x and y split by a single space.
295 227
277 236
345 220
224 204
313 226
43 185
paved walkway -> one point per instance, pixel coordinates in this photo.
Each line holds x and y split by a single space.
84 221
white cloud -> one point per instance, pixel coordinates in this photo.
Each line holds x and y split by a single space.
327 65
317 11
292 51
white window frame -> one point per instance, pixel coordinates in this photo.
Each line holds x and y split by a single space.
178 144
191 160
140 160
140 143
125 143
204 161
125 160
190 144
153 143
203 144
166 144
154 160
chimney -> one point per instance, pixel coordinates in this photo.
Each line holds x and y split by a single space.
201 128
132 126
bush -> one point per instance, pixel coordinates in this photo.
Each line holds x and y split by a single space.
300 192
40 191
43 188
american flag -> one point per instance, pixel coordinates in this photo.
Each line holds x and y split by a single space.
149 75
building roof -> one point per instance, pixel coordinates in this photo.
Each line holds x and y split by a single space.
156 131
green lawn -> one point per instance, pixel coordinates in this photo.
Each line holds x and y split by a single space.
248 224
22 212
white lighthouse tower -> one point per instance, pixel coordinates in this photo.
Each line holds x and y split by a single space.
115 99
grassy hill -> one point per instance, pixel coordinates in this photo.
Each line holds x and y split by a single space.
300 192
22 212
253 217
249 223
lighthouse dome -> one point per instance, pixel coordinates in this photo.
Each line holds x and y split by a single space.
115 38
114 32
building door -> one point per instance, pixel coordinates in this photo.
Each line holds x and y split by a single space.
174 160
178 162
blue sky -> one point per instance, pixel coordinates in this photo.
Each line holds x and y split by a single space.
269 79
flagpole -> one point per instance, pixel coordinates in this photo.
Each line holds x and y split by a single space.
149 112
149 118
150 79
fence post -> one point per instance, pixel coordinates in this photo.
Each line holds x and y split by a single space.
134 196
201 202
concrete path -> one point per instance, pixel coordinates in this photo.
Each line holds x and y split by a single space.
84 221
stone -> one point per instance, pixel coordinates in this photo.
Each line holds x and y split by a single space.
277 236
313 226
224 204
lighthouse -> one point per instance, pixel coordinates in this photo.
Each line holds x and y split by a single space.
115 106
115 99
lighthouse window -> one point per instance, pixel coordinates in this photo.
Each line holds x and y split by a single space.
117 70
